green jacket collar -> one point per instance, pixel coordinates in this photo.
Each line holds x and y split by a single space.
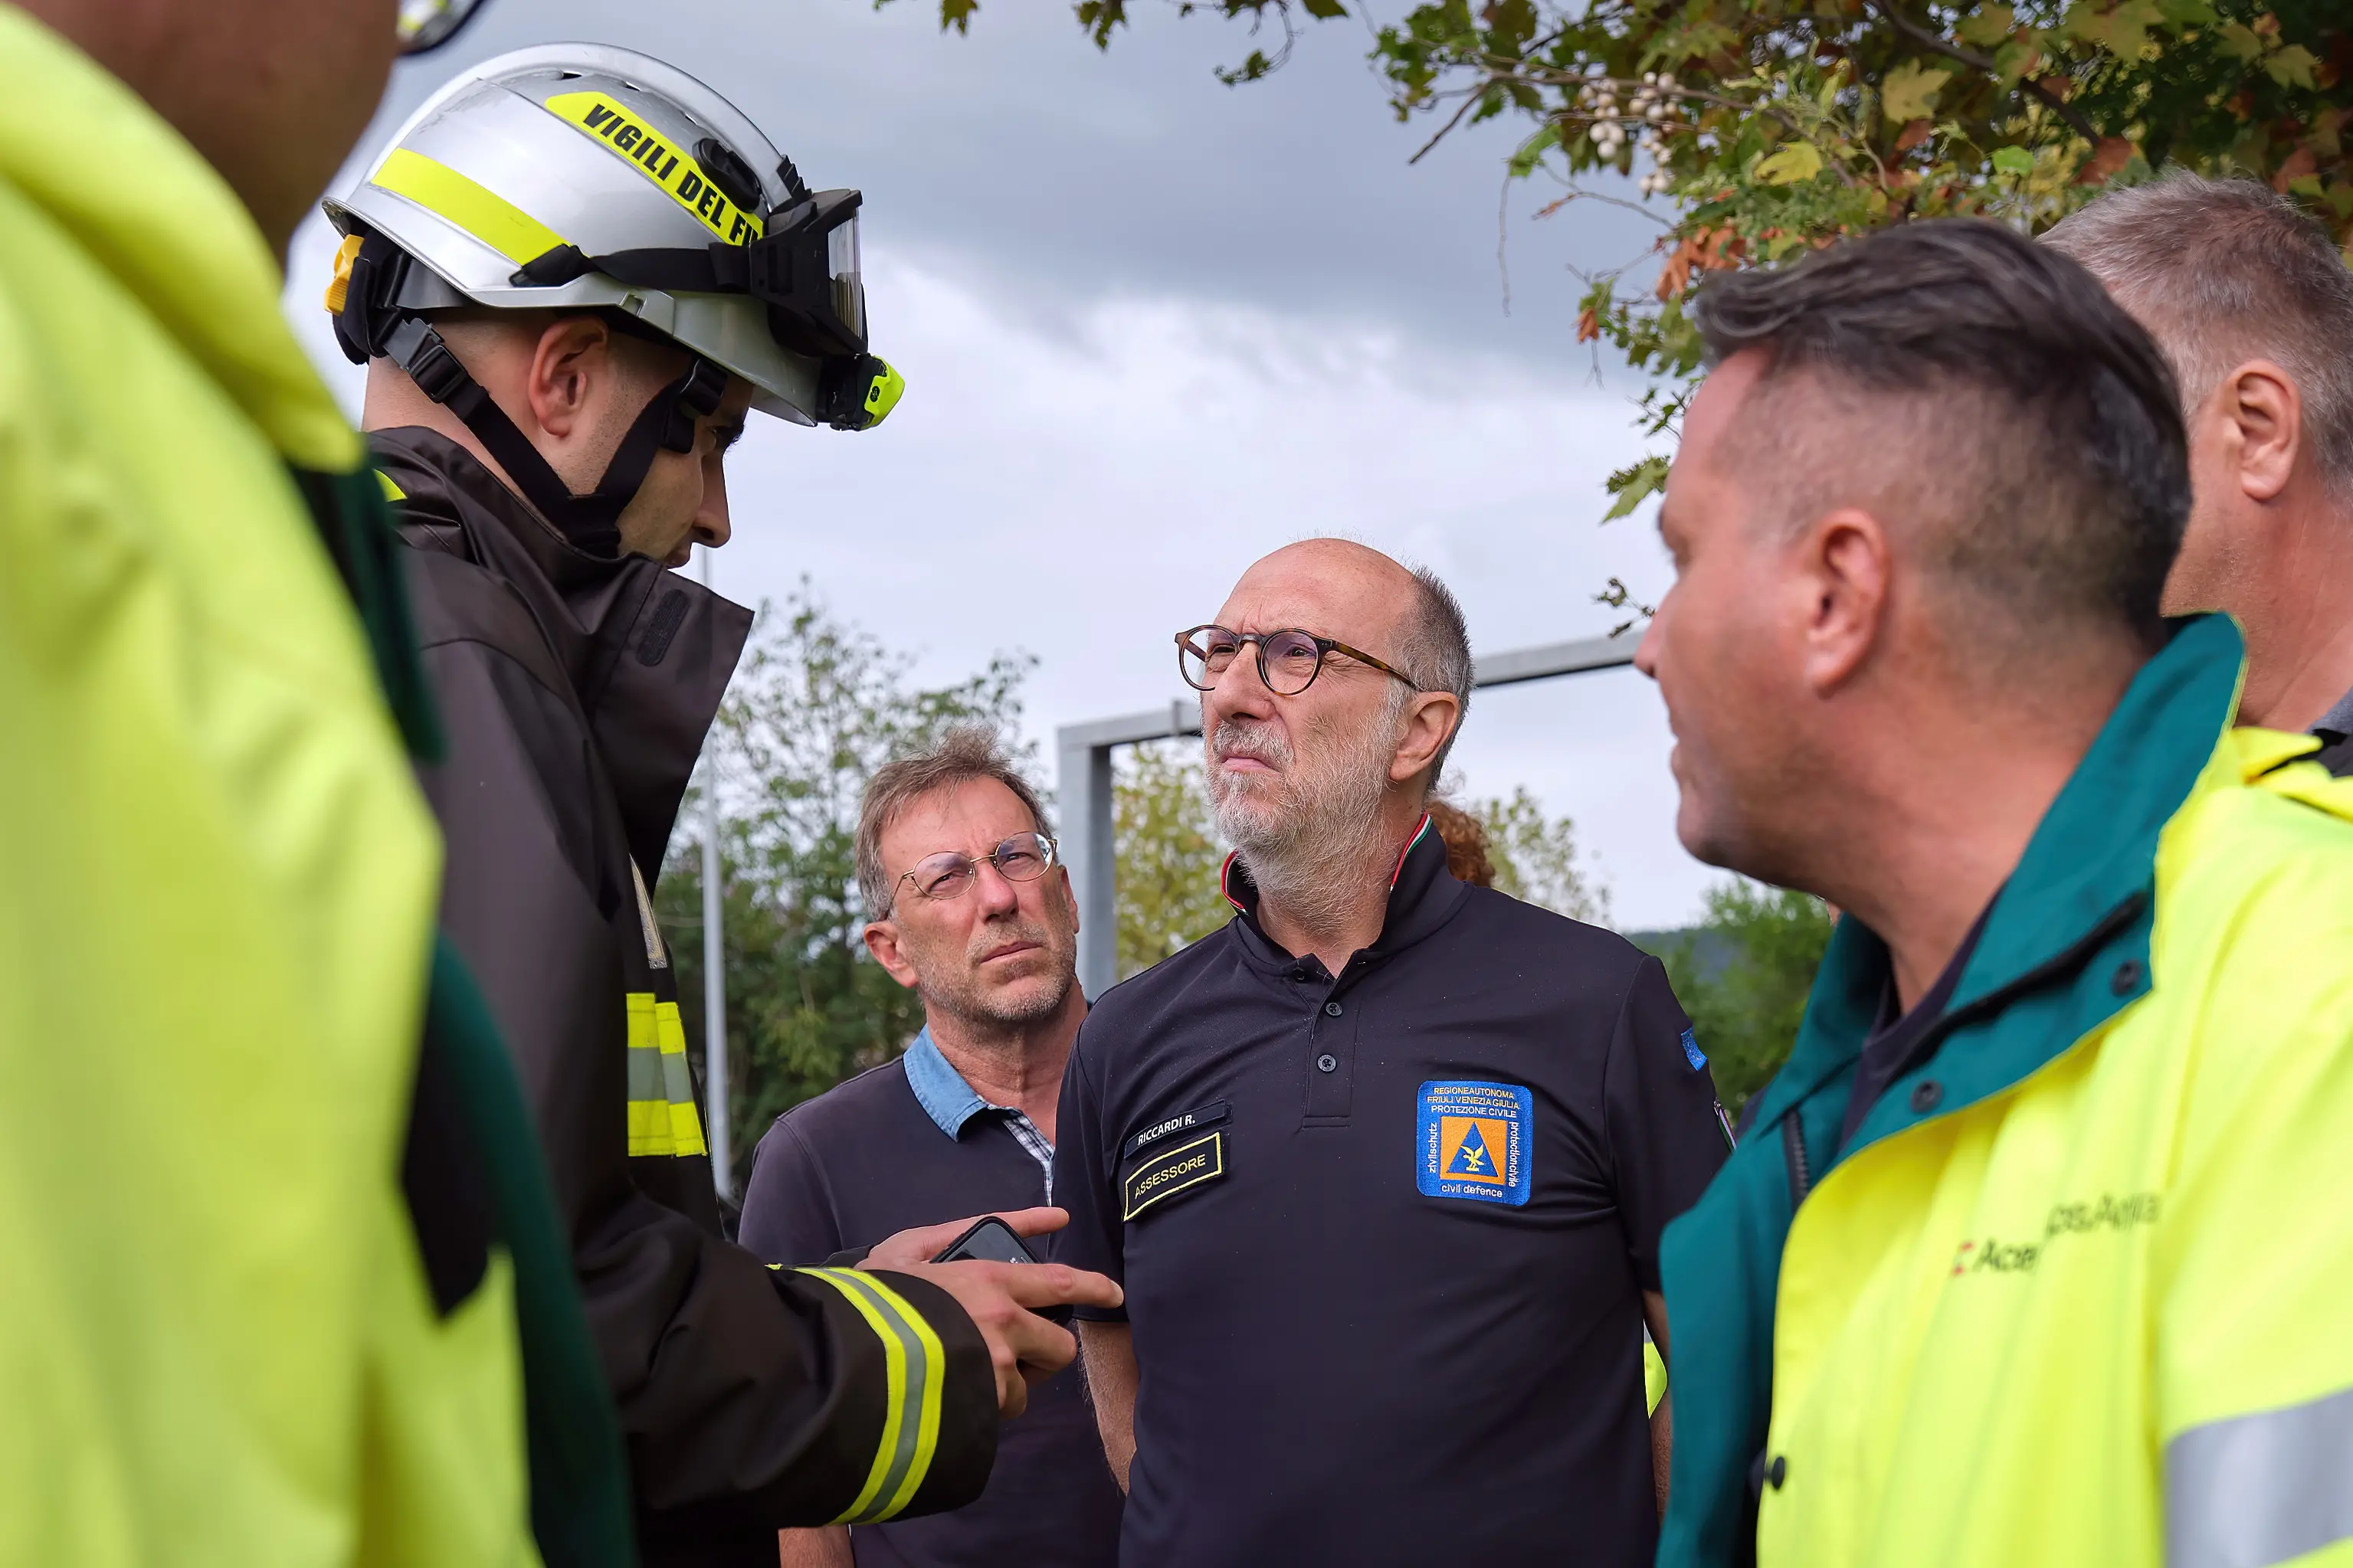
2086 879
143 204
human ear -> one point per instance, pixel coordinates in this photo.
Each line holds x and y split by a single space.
1844 561
882 941
2266 425
1428 723
569 366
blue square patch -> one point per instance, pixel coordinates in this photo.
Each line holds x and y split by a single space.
1474 1142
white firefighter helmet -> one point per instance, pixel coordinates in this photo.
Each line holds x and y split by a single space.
583 176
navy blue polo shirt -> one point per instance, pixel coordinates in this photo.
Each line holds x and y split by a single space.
906 1144
1384 1236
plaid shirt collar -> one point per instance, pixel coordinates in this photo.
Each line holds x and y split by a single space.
951 1102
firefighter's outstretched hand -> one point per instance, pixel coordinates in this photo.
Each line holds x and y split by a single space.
1002 1300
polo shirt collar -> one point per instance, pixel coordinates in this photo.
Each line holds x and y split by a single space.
1422 894
2337 721
939 1089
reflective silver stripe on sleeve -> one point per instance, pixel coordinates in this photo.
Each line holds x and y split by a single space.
649 1078
908 1454
2261 1489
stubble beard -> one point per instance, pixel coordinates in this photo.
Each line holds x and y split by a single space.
993 1009
1306 834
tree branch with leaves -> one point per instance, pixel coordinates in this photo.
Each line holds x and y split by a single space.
1765 127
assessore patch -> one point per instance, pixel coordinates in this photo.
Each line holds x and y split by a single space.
1474 1142
1172 1171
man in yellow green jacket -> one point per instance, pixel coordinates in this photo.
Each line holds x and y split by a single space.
2037 1251
282 1287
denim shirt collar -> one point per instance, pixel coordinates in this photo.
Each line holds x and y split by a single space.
939 1089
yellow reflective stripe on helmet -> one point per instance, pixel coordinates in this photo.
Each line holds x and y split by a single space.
915 1371
674 171
678 1081
450 196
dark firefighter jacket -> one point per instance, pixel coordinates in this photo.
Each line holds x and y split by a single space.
575 692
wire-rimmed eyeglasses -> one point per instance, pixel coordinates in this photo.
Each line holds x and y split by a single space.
1288 661
1024 858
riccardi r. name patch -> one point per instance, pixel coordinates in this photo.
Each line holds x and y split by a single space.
1166 1172
1474 1142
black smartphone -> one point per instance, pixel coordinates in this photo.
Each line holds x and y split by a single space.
991 1240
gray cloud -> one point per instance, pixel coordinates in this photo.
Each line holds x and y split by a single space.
1155 327
1052 172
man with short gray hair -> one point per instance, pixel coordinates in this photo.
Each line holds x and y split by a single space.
970 908
1384 1161
2253 307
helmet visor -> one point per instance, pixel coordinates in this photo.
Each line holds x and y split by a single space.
849 287
426 25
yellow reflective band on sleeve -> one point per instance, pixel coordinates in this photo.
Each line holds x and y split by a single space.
652 1131
449 194
390 491
914 1368
662 1118
678 1081
674 171
339 286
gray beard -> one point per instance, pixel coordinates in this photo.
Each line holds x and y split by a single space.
1310 840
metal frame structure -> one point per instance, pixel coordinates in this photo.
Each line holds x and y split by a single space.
1084 781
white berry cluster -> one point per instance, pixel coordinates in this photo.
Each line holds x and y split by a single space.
1648 107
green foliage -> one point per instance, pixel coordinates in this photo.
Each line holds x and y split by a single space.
1165 842
1535 858
1771 126
1169 856
1744 975
816 708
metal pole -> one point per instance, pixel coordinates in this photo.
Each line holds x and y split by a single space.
1083 798
714 966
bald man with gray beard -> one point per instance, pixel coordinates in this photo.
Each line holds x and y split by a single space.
1384 1161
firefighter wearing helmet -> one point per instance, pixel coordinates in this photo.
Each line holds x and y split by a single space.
572 275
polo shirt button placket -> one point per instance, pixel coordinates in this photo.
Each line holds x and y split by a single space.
1330 1087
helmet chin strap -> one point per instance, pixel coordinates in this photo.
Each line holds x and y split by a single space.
589 523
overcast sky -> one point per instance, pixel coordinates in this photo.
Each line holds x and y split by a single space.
1152 328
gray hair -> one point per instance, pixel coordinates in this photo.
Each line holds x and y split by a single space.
966 752
2224 271
1436 651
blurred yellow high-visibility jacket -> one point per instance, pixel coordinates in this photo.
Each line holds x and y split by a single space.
220 1338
